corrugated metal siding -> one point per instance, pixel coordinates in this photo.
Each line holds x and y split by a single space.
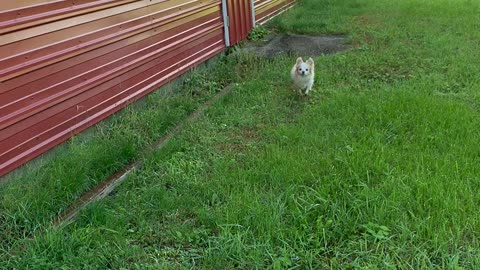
240 19
266 9
66 65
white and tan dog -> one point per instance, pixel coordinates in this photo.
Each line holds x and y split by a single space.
303 74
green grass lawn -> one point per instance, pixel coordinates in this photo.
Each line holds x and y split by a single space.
378 169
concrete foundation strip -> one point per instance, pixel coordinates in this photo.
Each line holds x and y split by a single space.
108 185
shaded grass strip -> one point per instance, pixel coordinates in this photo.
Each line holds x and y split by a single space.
106 187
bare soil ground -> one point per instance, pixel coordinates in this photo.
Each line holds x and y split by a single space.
301 45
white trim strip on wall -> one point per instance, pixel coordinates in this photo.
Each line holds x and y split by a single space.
225 23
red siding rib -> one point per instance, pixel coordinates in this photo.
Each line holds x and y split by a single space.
15 19
65 66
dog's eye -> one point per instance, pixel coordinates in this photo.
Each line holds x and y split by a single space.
306 69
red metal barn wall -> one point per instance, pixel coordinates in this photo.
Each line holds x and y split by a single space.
67 64
266 9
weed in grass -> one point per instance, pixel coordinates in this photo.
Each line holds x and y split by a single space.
258 33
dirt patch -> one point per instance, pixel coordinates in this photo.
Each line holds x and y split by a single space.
299 45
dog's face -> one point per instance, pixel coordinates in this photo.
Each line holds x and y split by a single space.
304 68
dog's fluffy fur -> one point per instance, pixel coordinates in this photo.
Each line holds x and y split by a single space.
303 74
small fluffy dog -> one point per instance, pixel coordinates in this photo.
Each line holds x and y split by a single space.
303 74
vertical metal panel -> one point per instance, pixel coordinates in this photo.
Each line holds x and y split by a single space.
240 19
66 65
267 9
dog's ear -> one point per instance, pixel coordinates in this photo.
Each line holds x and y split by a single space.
299 60
310 62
